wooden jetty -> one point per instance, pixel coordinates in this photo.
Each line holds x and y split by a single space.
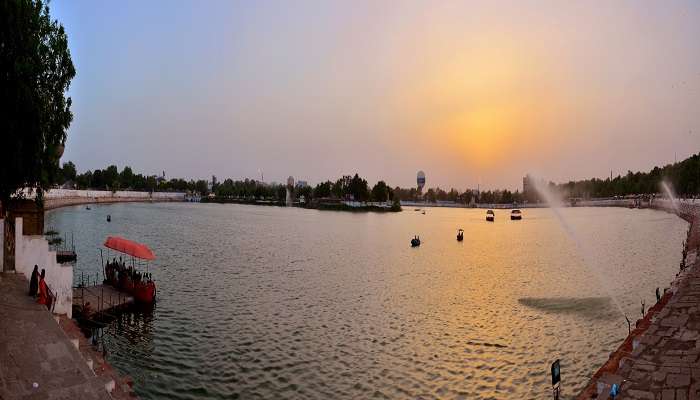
65 256
94 302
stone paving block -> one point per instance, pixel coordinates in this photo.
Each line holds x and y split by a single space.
668 394
34 348
681 394
670 370
693 392
658 376
640 394
677 380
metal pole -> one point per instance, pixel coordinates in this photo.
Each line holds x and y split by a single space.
102 261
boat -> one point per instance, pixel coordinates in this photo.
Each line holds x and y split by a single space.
423 212
88 208
490 216
128 278
516 215
415 242
460 235
109 218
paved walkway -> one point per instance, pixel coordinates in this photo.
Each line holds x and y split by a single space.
662 361
33 348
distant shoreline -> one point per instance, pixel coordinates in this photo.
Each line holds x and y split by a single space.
310 206
52 204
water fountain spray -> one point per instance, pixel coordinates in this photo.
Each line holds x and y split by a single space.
555 204
669 192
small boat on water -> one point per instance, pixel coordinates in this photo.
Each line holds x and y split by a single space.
415 242
423 212
126 277
490 215
460 235
516 215
88 208
109 218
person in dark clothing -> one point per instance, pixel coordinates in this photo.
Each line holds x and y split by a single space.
34 282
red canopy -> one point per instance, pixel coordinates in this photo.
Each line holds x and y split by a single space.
126 246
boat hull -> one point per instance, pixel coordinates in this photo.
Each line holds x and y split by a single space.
144 293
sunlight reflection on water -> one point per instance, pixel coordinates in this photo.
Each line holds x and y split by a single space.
287 303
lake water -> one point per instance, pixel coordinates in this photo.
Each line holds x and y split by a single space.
269 302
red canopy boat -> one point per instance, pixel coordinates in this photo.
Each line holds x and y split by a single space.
126 277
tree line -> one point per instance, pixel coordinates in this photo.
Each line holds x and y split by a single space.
683 177
346 187
111 178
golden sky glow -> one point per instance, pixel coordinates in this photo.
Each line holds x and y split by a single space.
473 93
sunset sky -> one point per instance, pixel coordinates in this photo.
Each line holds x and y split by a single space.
470 92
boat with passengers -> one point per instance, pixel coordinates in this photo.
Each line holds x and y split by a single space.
490 215
130 277
516 215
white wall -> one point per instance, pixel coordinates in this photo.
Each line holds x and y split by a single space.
70 193
34 250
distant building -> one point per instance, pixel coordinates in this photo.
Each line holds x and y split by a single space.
302 184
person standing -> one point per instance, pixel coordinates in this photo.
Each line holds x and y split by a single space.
34 281
43 290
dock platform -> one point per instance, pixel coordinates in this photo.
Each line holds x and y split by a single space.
94 301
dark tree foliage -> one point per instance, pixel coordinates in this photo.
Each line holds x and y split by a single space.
683 176
323 189
358 188
380 191
67 172
35 73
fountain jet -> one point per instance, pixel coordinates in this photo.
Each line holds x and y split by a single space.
555 204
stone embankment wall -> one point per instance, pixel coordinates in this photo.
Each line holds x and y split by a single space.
33 250
659 358
56 198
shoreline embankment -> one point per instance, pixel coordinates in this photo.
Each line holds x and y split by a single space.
45 355
659 357
57 198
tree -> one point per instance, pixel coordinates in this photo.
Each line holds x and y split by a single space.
111 176
35 73
84 180
380 191
126 177
68 172
97 180
201 187
341 186
506 197
323 189
430 196
305 191
358 188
